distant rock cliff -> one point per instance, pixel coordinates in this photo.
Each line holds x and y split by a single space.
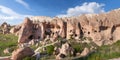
101 28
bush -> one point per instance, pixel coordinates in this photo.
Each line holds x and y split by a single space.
50 49
77 47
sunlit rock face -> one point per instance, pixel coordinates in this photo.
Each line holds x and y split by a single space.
29 31
102 28
21 53
37 19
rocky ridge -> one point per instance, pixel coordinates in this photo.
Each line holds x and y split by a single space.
102 29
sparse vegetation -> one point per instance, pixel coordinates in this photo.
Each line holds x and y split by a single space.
7 41
104 52
50 49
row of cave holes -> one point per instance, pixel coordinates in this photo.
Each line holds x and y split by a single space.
100 28
88 31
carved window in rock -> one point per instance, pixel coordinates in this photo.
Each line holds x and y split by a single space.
39 37
58 26
48 31
82 28
52 26
31 37
70 30
103 27
95 30
88 32
75 35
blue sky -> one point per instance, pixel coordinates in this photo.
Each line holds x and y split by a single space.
14 11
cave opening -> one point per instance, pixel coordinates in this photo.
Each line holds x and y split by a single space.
31 37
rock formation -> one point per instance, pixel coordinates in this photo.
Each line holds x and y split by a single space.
29 31
65 50
21 53
5 28
101 28
85 52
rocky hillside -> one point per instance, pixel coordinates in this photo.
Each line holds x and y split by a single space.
101 28
66 37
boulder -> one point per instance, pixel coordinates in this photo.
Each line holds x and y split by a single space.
60 56
15 30
7 50
85 52
65 50
5 28
21 53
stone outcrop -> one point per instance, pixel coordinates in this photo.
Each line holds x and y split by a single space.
15 30
85 52
29 31
5 28
65 50
21 53
6 51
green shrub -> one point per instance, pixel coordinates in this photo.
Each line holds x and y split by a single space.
50 49
77 47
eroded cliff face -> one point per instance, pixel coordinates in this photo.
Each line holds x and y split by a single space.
101 28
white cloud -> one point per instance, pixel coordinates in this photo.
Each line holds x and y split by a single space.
23 3
85 8
8 15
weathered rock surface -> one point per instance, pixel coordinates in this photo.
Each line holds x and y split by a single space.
29 31
5 28
65 50
7 50
15 30
85 52
102 28
21 53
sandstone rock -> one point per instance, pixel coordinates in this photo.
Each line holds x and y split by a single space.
66 49
103 29
56 51
21 53
7 50
85 52
5 28
32 42
15 30
60 56
70 29
29 31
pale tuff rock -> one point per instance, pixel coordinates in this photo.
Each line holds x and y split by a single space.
64 51
85 52
5 28
21 53
7 50
29 31
101 28
15 30
38 19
